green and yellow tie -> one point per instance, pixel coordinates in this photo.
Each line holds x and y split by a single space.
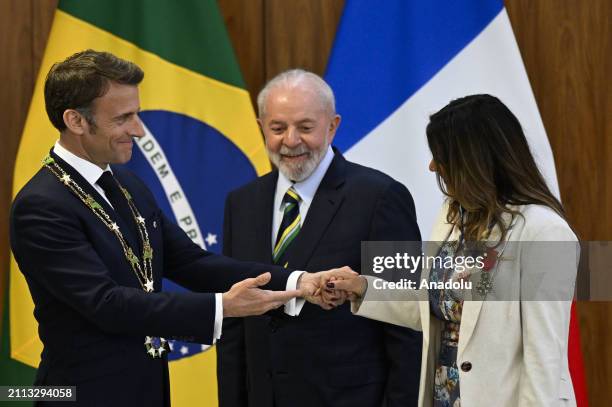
290 225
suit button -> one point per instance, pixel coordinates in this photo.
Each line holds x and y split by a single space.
466 366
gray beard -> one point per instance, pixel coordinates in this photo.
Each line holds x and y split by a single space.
301 171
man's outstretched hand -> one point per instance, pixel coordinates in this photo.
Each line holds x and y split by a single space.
245 298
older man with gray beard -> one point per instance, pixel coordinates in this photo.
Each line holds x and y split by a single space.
312 213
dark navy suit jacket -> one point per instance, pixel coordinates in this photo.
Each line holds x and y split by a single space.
321 358
92 313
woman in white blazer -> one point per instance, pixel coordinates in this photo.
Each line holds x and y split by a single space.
478 350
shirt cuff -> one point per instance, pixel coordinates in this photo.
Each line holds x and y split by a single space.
294 306
218 317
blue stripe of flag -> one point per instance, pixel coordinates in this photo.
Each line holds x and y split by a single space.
385 51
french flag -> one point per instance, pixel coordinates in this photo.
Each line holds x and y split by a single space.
396 62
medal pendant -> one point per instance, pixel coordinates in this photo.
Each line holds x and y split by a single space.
156 346
484 284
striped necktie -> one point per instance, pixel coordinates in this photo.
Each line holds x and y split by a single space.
290 225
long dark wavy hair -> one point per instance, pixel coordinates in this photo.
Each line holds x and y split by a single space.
483 164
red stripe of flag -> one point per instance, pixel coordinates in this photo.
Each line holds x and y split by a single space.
576 365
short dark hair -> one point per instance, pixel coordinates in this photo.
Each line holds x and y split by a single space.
75 82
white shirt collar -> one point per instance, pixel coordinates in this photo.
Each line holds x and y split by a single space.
88 170
306 189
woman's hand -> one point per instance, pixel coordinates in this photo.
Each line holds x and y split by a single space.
340 286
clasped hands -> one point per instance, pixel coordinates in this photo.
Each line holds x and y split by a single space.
328 289
332 288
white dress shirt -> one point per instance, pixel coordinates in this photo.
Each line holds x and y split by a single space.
88 170
306 190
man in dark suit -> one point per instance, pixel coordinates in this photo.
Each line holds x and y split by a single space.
313 213
94 246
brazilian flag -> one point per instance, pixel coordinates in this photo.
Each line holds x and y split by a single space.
201 141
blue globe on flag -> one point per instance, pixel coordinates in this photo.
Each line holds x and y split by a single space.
190 168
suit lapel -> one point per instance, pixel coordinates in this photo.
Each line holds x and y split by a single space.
439 233
471 309
326 202
264 208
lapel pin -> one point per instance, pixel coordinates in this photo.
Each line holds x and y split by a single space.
490 258
154 224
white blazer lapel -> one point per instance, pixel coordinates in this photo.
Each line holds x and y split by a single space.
439 233
471 309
